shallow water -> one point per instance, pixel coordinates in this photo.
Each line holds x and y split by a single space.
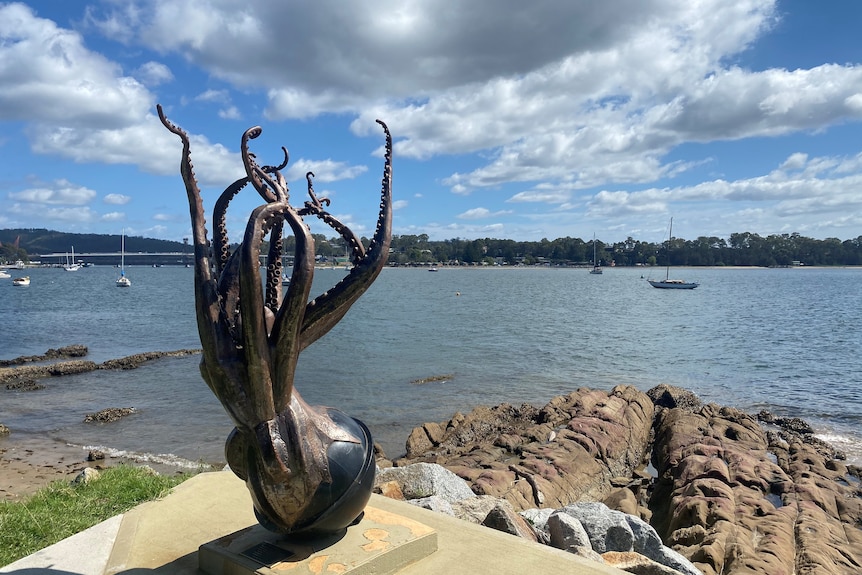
785 340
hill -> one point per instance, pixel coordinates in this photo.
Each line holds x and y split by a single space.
41 241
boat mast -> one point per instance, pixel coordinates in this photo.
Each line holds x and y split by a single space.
667 251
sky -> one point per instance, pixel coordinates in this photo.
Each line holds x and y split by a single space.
510 119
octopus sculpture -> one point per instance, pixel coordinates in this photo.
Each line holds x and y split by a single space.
309 469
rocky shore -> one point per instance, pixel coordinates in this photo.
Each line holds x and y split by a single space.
28 464
654 482
725 491
17 374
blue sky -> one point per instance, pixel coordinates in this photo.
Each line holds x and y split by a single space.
511 119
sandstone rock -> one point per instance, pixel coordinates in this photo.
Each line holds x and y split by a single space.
633 562
426 479
503 517
733 501
724 494
434 431
567 451
418 442
390 489
587 553
622 499
379 454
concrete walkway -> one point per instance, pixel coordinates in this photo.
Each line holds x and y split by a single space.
164 536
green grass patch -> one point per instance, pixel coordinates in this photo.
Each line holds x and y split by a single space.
62 509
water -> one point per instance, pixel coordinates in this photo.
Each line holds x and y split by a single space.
785 340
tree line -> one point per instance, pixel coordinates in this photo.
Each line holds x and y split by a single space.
740 249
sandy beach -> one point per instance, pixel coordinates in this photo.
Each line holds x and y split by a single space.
27 465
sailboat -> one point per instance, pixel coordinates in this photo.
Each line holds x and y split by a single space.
123 281
668 283
71 266
597 269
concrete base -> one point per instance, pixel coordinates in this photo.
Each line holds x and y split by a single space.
170 536
381 544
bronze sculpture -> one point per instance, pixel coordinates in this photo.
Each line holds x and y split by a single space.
309 469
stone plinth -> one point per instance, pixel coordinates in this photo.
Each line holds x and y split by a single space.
381 543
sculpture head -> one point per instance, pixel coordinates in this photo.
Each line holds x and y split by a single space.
308 469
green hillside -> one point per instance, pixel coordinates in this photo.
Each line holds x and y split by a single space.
41 241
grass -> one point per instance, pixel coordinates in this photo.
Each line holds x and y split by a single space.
62 509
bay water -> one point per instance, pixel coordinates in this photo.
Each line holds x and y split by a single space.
785 340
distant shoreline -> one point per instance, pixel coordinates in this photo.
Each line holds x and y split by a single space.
610 268
440 266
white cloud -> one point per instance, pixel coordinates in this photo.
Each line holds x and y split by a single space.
113 217
325 171
61 192
148 145
68 215
49 74
218 96
117 199
581 94
580 106
230 113
154 74
480 213
548 197
119 25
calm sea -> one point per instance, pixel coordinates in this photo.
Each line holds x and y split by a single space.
786 340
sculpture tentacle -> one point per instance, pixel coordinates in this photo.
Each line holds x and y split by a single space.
274 269
221 243
207 309
315 207
325 311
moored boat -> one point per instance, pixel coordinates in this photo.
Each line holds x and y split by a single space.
22 281
672 284
71 265
123 281
668 283
597 269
